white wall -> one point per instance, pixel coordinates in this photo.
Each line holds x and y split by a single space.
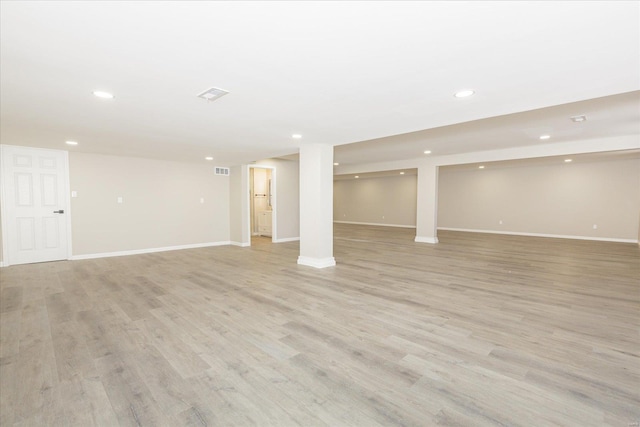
561 199
387 200
161 204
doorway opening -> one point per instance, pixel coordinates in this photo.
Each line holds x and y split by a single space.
261 204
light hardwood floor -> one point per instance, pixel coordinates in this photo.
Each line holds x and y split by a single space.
479 330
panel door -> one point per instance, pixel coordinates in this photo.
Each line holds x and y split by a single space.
36 204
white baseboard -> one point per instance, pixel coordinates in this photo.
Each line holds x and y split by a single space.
3 264
317 262
375 223
287 239
420 239
242 245
147 251
553 236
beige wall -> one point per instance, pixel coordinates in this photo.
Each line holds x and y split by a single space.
238 205
383 200
562 199
1 241
161 204
287 192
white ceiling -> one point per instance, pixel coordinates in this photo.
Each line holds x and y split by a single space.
539 161
335 72
611 116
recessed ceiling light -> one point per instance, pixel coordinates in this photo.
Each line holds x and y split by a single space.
208 158
427 152
545 136
336 164
296 136
101 94
356 177
464 93
71 142
578 119
212 94
481 167
401 173
568 160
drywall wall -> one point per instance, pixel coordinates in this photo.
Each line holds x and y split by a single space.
238 205
161 204
1 241
287 195
564 199
382 200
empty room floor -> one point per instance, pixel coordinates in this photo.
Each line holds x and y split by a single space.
478 330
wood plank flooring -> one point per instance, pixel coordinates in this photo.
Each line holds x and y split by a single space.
479 330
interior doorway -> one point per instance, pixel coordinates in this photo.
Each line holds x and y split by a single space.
261 204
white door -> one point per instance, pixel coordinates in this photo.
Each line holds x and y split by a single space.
35 204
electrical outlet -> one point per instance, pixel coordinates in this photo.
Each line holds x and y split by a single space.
201 199
120 200
595 226
500 222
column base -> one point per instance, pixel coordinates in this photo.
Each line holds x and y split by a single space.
420 239
317 262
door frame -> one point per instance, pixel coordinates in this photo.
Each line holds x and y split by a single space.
4 211
274 202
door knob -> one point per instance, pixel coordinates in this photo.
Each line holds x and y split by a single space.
61 211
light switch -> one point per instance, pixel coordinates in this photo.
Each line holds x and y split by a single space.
74 194
119 199
201 199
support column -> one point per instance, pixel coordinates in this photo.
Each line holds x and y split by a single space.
316 205
427 206
239 206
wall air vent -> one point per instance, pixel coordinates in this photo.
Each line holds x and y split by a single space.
222 171
212 93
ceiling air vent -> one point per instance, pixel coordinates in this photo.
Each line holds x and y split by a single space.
222 171
212 94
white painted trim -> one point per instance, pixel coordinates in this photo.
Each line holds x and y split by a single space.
420 239
287 239
374 223
553 236
316 262
3 264
148 251
242 245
